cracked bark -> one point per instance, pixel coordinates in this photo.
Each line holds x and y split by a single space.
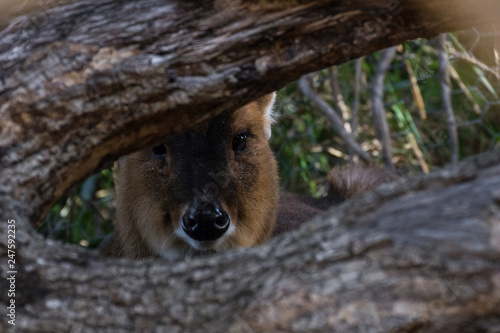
421 254
85 82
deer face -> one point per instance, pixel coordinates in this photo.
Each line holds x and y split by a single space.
213 188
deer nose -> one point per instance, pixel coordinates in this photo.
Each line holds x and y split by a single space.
207 222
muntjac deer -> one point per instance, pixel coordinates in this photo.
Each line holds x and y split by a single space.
210 189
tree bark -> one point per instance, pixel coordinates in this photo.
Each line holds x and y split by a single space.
84 82
421 255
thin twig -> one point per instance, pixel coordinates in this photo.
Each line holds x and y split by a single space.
415 89
339 103
357 88
476 62
446 95
337 94
381 126
333 118
464 88
496 50
418 153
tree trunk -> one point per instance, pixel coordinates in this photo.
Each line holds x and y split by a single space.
85 82
418 255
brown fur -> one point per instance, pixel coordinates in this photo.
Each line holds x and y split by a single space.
345 182
351 180
149 203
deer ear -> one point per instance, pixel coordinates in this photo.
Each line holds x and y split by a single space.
267 104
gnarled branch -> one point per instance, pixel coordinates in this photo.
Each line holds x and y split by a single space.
83 82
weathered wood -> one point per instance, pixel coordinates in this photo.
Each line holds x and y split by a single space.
421 255
85 82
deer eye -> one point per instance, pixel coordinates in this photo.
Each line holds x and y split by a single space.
159 151
240 142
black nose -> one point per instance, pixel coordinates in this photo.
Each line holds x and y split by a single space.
205 223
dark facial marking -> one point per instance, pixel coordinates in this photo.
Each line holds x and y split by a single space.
200 162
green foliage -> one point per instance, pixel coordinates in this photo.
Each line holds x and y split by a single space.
84 214
301 129
307 147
